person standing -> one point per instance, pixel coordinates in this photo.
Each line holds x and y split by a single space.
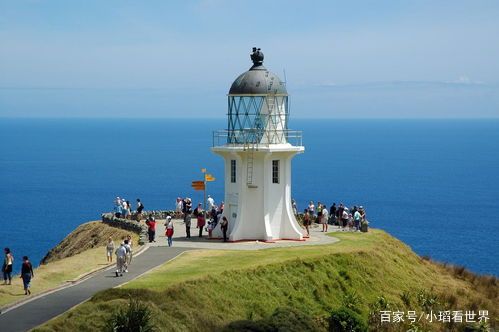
187 211
325 218
179 204
151 228
169 230
120 259
26 274
332 214
140 208
211 203
356 219
344 217
201 219
110 250
339 215
224 225
311 208
7 267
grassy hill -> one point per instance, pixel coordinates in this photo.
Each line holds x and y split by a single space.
367 272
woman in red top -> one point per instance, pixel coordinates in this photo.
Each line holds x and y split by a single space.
151 228
201 219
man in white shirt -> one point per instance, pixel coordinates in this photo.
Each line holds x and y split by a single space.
120 259
128 254
211 203
325 218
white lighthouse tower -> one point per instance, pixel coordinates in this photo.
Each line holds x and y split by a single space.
257 148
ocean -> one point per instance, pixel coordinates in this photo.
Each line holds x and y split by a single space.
434 184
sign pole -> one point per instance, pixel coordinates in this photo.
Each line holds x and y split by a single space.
204 193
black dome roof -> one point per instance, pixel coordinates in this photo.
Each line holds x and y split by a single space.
257 80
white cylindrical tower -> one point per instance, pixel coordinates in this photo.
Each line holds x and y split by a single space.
257 150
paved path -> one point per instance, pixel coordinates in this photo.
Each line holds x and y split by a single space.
39 310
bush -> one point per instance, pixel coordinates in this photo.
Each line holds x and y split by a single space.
134 318
346 320
351 300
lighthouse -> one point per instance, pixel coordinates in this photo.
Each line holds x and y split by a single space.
257 148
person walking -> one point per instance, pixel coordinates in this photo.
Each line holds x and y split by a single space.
120 259
224 225
7 267
128 255
169 230
26 274
151 228
306 221
110 249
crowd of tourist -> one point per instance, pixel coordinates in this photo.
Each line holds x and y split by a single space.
341 216
123 209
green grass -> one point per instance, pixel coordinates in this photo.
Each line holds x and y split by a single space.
206 290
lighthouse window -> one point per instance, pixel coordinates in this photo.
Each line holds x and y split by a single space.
233 171
275 171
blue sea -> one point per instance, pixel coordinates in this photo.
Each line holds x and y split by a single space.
434 184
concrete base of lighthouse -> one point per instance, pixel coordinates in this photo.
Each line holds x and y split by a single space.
259 209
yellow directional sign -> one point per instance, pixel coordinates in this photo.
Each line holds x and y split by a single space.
209 177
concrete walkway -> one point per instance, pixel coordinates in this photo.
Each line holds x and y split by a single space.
33 313
38 310
179 239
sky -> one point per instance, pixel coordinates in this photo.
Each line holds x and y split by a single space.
164 59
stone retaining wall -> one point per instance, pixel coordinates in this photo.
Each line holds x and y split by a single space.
129 225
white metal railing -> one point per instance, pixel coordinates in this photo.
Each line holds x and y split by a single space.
249 137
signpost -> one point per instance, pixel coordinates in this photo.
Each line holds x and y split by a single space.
201 185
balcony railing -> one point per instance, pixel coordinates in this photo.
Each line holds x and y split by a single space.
260 137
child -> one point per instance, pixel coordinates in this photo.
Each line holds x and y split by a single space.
169 230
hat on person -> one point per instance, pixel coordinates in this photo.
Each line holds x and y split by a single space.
168 217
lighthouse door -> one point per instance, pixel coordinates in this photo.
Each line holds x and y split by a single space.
232 216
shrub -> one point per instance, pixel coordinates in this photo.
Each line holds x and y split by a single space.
351 300
427 300
346 320
135 317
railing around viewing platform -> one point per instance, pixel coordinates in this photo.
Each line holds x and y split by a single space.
256 137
